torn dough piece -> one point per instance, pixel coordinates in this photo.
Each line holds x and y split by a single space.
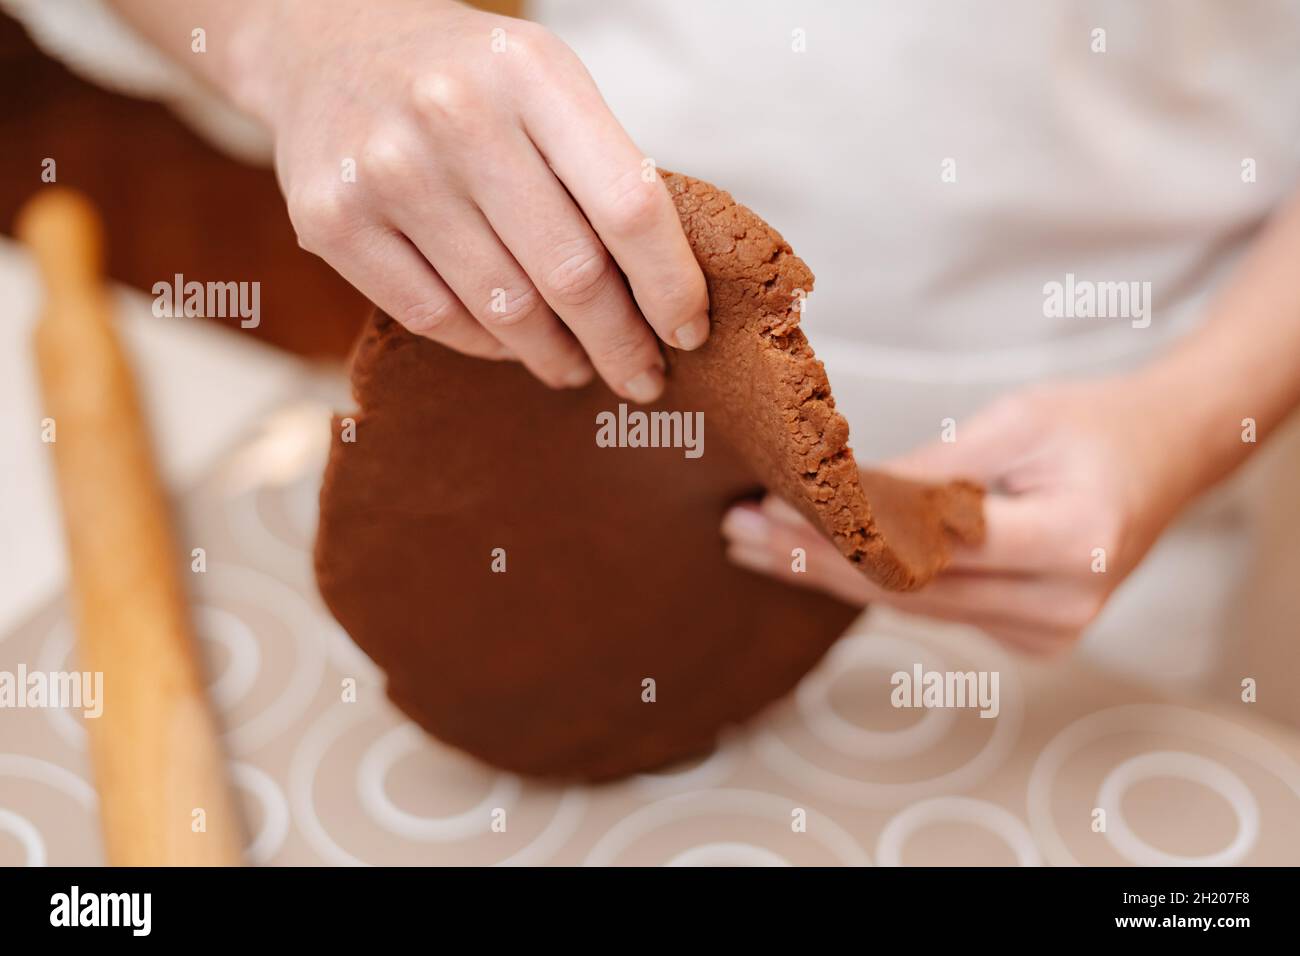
563 609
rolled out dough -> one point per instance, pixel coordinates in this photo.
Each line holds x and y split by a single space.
617 638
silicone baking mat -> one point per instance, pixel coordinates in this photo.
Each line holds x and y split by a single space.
832 775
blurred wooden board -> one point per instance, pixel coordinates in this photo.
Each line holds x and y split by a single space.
171 203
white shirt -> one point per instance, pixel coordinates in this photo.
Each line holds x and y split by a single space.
939 165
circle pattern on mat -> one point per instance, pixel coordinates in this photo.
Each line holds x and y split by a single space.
889 848
773 813
1184 766
882 646
387 738
323 781
1175 721
243 654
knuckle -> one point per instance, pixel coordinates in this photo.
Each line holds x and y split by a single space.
538 56
448 102
505 308
633 204
580 277
627 349
426 317
531 42
685 298
384 158
321 215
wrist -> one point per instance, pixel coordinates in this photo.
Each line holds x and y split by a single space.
1194 398
246 71
281 46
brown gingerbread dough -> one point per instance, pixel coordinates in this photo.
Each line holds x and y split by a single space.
559 608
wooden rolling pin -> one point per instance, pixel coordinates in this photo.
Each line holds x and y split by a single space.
158 763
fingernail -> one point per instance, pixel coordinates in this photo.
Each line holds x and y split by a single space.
746 525
579 377
645 387
504 353
692 334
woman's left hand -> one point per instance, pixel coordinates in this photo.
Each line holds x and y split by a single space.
1083 477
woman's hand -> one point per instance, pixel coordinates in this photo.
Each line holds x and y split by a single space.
1084 476
1082 479
462 171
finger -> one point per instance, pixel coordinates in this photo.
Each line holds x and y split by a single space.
760 544
538 222
1021 536
625 201
798 554
761 561
979 449
1012 604
756 526
1042 605
778 509
459 242
1014 535
392 274
1035 642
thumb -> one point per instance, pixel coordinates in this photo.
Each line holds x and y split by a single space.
979 448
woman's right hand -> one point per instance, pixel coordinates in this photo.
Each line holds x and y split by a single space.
462 170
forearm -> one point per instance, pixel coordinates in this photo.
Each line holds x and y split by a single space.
1244 363
234 47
